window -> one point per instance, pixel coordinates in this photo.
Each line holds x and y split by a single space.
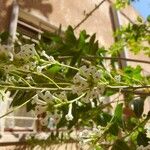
30 27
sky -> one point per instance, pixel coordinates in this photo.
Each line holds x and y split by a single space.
143 7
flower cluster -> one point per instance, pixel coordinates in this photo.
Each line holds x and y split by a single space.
27 51
38 136
141 147
87 81
147 127
5 95
87 135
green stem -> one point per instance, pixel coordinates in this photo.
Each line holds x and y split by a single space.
69 102
34 88
68 66
41 74
22 79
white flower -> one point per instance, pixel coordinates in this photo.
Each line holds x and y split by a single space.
35 99
5 95
43 53
69 116
147 127
39 69
47 96
141 147
41 136
28 137
84 134
50 58
92 70
62 95
92 103
96 76
76 89
118 78
77 78
84 71
26 67
29 77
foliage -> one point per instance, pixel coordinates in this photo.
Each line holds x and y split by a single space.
134 37
65 81
123 3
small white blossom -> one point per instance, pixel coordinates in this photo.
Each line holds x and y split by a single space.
92 103
9 68
92 70
47 96
42 136
69 116
118 78
35 99
27 51
147 127
50 58
39 69
5 95
141 147
97 76
29 77
63 95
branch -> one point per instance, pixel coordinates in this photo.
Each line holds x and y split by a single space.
111 58
34 88
89 14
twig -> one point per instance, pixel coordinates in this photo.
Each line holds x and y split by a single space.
89 14
125 59
111 58
34 88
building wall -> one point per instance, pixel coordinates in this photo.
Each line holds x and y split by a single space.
66 13
69 12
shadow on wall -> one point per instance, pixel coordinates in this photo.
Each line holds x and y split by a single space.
43 6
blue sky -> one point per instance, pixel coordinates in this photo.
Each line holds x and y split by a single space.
143 7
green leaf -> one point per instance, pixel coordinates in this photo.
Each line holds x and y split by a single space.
54 69
70 38
81 40
21 97
114 130
118 112
103 119
148 18
139 19
120 145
